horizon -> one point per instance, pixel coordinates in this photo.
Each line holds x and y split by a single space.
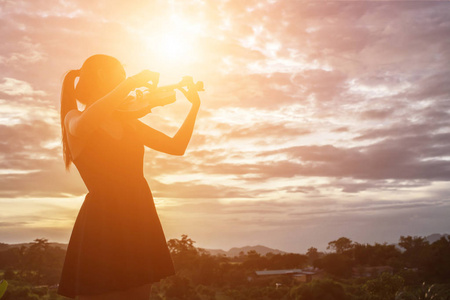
318 120
259 245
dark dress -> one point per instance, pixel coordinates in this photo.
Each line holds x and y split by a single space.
117 241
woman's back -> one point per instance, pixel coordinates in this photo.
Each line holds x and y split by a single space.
106 160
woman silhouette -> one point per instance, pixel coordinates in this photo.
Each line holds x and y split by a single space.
117 247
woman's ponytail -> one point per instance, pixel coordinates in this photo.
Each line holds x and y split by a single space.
68 102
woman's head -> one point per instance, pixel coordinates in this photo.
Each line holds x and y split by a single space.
98 76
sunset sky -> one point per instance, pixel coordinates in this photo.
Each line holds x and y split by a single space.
319 119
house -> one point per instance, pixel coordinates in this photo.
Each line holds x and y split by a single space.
302 275
278 272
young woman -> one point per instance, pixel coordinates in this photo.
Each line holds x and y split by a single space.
117 247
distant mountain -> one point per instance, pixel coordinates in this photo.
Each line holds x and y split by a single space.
435 237
263 250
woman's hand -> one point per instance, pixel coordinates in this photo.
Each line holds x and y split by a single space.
192 95
141 79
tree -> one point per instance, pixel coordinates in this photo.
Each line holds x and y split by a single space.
340 245
32 261
410 243
437 266
312 254
417 251
286 261
385 287
181 246
319 290
183 252
376 255
254 261
8 274
335 264
425 292
207 270
178 288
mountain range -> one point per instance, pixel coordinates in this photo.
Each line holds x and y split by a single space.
235 251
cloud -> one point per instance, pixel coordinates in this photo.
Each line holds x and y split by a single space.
12 224
261 131
27 53
14 87
195 190
38 170
26 138
404 158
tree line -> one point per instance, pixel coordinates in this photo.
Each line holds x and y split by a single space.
416 269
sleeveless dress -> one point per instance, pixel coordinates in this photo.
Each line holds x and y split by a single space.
117 241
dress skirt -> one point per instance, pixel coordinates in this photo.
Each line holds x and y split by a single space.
115 245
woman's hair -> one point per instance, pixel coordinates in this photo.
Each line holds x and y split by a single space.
68 102
87 90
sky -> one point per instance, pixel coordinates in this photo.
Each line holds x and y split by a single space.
318 120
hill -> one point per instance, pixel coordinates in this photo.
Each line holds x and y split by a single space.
263 250
435 237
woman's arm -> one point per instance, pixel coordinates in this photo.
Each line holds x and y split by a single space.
177 144
82 123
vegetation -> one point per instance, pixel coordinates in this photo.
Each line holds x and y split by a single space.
413 270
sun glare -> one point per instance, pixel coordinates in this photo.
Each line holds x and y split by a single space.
176 42
174 46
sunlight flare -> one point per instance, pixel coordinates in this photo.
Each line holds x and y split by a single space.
177 42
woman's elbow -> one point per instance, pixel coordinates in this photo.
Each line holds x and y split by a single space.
178 152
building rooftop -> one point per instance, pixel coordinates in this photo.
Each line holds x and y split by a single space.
280 272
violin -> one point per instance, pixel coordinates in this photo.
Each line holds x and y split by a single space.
136 107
